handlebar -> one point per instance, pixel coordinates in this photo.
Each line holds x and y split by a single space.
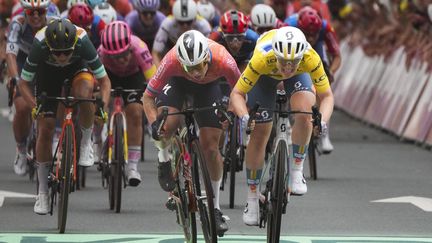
252 116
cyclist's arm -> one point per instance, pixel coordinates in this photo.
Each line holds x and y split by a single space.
150 108
333 48
11 65
105 89
160 41
321 83
144 58
12 47
238 95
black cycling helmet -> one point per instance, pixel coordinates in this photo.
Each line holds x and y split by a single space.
61 34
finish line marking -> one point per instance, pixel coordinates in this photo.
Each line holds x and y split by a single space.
160 238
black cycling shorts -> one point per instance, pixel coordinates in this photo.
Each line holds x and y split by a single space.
51 79
134 81
264 92
178 88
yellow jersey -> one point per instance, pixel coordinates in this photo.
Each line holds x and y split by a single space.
263 62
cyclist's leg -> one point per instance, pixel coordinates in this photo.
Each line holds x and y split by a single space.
302 98
82 87
46 125
173 97
21 123
210 133
134 113
264 92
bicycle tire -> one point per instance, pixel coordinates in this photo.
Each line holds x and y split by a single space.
119 160
185 206
65 178
276 196
233 161
205 209
312 157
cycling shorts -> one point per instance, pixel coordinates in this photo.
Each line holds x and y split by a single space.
174 94
264 92
134 81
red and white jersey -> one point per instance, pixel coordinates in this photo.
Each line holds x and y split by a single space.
222 64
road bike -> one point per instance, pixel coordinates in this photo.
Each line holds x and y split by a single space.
115 151
233 151
62 176
276 192
193 191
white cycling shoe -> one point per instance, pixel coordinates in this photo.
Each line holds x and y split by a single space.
134 177
298 183
20 164
325 144
86 155
42 204
251 212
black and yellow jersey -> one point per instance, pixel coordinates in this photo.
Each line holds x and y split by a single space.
83 51
264 60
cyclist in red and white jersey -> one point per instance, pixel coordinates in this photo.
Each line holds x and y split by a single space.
184 17
129 64
193 67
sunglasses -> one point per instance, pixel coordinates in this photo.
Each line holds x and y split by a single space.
188 23
234 37
60 52
120 55
39 11
148 13
198 67
293 62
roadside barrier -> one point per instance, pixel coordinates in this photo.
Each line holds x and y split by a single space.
388 94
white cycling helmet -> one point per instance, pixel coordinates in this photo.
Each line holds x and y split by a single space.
35 3
192 48
262 15
70 3
106 12
185 10
289 43
207 10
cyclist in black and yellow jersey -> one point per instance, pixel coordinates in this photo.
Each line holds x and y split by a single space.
281 55
61 51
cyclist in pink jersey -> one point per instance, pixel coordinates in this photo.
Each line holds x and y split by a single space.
193 67
129 64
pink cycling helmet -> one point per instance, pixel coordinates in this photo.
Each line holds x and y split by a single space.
116 38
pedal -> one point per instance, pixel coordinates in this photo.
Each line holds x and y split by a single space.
171 204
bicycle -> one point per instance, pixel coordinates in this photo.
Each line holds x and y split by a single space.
234 152
313 152
115 151
190 175
276 193
63 180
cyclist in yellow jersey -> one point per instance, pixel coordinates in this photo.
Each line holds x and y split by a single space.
281 55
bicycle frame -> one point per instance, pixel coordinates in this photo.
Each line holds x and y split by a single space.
118 110
67 122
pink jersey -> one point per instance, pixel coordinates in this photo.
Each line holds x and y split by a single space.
141 59
222 64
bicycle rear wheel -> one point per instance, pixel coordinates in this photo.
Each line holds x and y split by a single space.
277 194
65 178
201 180
233 161
186 206
312 159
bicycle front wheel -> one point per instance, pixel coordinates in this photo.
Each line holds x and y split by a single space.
119 161
312 158
204 194
186 205
277 194
233 161
65 178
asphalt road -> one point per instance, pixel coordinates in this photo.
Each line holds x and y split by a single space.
367 165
